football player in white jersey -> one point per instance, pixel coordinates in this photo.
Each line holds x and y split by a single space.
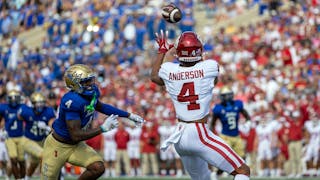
109 153
263 141
134 149
311 158
190 85
4 158
170 157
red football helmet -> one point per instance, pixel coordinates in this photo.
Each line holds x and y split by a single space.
189 47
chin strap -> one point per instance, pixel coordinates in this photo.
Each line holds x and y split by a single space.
90 107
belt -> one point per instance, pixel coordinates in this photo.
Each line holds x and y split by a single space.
203 120
60 139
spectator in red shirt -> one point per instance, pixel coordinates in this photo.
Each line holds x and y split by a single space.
283 140
122 138
295 144
251 149
149 142
286 56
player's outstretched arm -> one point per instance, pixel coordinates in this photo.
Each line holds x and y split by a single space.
108 110
213 123
246 115
77 134
155 70
164 47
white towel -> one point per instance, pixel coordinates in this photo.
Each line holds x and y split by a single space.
174 137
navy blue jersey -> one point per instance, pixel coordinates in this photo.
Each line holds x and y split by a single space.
31 118
13 125
73 106
229 116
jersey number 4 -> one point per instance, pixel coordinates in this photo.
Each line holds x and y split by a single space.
187 94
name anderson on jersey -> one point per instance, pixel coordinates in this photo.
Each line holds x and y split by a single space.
198 73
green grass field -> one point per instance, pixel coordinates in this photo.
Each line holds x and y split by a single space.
185 178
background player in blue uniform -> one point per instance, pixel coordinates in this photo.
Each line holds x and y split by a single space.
228 112
38 119
72 126
14 127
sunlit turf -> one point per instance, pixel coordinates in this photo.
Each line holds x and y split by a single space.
185 178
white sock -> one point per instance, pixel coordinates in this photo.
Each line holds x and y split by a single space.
107 173
27 178
179 173
113 173
241 177
132 172
278 172
171 172
163 172
139 172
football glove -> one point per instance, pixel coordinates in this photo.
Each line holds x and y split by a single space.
109 123
161 39
42 125
138 120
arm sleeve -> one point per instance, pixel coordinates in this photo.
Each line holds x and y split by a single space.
2 109
108 110
23 112
71 108
216 111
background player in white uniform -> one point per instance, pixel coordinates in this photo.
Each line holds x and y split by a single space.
134 149
4 158
109 152
263 141
311 158
190 85
169 157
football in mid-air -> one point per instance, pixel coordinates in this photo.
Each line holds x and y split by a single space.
171 13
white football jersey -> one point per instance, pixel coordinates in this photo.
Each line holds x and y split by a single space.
164 132
135 134
109 141
313 128
190 88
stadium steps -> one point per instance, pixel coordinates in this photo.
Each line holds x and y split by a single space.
32 38
249 17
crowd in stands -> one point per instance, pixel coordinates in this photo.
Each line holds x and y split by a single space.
273 66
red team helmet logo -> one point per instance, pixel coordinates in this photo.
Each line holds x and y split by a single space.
189 47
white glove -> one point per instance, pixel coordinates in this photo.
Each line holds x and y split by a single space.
3 134
48 130
110 123
42 125
138 120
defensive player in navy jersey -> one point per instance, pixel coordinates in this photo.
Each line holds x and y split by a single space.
72 126
14 127
228 112
38 120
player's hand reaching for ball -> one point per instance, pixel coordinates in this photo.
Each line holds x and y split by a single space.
109 123
161 39
138 120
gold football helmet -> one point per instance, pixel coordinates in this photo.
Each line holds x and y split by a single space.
226 94
14 97
37 97
81 79
38 101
